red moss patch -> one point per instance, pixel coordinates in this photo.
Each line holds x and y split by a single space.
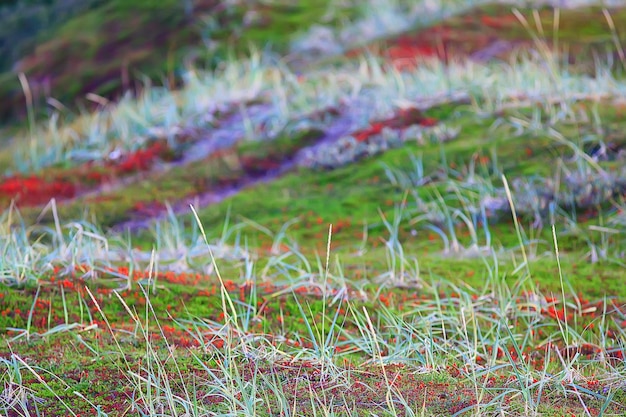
479 37
130 163
66 184
404 119
141 160
34 190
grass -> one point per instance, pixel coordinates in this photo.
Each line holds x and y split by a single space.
442 239
102 57
391 330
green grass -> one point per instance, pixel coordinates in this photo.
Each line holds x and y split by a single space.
329 338
398 283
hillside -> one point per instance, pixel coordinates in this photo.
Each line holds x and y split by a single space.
68 49
399 209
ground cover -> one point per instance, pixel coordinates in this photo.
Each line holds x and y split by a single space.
497 31
440 238
95 51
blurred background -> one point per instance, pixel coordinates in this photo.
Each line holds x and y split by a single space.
68 48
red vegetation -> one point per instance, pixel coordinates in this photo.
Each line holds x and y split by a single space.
407 51
35 190
133 162
140 160
63 185
404 119
460 38
405 55
73 280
